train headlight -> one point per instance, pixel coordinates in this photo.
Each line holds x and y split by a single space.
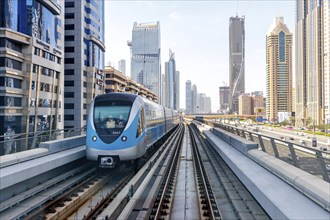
94 138
123 138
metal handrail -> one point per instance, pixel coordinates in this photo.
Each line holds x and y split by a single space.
23 141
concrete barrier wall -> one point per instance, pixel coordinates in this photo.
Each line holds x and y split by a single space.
44 149
240 143
67 143
315 188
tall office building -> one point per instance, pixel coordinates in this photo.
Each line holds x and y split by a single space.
84 58
309 62
145 55
170 69
224 99
31 66
194 104
122 66
188 97
236 60
326 62
203 103
172 83
177 90
279 70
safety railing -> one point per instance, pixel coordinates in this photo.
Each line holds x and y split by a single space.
25 141
309 159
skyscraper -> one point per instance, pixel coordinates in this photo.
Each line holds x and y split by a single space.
326 62
170 69
188 97
224 99
172 83
194 105
84 58
122 66
279 70
236 60
177 90
31 66
309 62
145 55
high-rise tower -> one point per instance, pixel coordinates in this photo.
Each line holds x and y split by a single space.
236 61
188 97
145 55
309 63
31 66
326 41
84 58
279 70
172 83
122 66
224 99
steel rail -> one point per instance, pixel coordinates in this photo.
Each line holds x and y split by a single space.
208 206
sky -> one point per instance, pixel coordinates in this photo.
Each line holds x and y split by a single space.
198 33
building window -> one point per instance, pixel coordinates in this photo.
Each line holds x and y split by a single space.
69 15
69 49
69 27
69 4
282 46
69 94
68 60
69 117
68 83
69 38
69 106
69 72
10 44
10 63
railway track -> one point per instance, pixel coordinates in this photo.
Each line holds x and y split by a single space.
212 191
233 199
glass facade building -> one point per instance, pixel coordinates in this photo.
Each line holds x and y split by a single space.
145 55
309 64
172 83
188 97
31 67
84 58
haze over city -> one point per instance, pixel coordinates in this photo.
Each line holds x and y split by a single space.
198 33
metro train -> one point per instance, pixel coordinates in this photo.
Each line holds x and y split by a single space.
122 127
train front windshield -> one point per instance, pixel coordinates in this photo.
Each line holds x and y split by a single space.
110 119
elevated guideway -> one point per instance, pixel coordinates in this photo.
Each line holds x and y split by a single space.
284 191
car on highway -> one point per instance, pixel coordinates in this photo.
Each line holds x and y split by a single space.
302 142
291 138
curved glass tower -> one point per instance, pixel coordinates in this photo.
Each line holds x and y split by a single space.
31 70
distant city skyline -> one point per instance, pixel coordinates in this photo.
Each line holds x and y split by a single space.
198 32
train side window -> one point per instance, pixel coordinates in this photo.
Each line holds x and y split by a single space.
140 127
